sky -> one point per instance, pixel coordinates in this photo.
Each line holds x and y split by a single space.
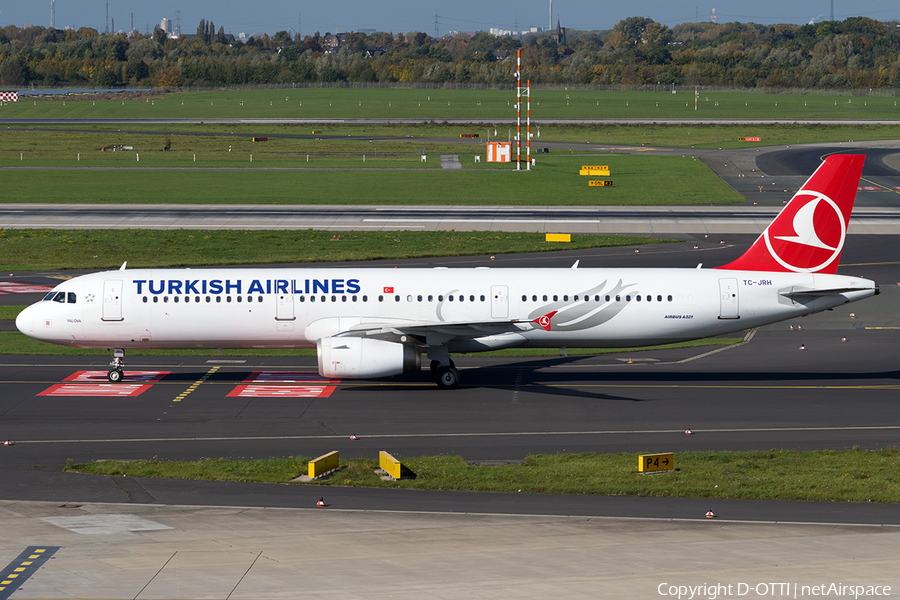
269 16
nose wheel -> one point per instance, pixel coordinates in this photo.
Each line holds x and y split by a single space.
115 373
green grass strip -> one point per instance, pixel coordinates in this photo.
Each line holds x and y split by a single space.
41 249
824 476
9 313
555 180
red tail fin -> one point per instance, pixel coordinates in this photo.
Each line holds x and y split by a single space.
808 234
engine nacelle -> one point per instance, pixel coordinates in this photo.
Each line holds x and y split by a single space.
353 357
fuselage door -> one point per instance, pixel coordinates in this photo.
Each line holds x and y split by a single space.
112 300
284 310
728 299
499 302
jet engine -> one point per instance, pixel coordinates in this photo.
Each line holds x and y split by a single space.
354 357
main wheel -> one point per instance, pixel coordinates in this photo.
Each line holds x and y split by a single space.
115 375
447 378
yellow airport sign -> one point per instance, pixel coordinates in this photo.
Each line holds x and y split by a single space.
656 462
559 237
389 464
324 464
599 183
595 167
595 172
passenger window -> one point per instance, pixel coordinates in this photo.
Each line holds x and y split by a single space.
343 298
649 298
334 298
218 298
430 298
419 298
524 298
70 298
670 297
450 298
555 297
175 298
545 297
145 299
659 298
575 298
354 298
597 298
462 298
482 297
440 298
638 298
472 298
302 299
381 298
409 298
324 299
208 299
165 298
239 299
618 298
534 298
365 298
607 297
566 298
155 298
628 298
312 298
397 298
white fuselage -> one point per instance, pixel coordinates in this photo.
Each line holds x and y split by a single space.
293 308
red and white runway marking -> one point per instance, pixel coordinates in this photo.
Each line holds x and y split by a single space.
281 391
128 376
116 390
288 377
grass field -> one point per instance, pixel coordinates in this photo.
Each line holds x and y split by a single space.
216 144
824 476
46 249
639 180
477 105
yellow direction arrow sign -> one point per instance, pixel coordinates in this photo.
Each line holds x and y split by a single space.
656 462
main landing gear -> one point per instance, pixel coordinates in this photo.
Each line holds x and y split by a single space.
115 373
447 377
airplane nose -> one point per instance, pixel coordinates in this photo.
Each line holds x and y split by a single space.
25 321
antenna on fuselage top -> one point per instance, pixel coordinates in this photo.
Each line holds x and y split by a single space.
122 268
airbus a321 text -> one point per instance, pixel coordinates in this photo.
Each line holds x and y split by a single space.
375 322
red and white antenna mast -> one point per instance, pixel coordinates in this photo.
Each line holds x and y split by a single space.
518 108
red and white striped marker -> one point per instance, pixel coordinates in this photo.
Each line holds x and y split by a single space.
353 437
688 432
321 502
7 443
710 514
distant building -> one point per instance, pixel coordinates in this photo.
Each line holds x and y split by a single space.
559 36
167 25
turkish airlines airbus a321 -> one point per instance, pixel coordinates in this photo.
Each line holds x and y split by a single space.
368 323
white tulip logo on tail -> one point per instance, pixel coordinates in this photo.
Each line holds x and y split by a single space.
812 239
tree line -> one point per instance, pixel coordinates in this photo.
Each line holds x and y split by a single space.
854 53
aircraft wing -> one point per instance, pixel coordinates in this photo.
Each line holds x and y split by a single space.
430 332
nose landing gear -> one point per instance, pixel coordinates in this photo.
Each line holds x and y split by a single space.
115 374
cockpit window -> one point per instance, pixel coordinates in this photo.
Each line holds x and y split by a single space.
49 296
70 297
60 297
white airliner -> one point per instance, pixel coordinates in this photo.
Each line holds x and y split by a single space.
367 322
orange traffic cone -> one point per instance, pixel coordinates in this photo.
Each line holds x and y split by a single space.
792 327
710 514
321 502
803 346
852 315
843 339
799 328
688 432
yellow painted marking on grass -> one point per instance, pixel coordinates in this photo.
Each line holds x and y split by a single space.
196 384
